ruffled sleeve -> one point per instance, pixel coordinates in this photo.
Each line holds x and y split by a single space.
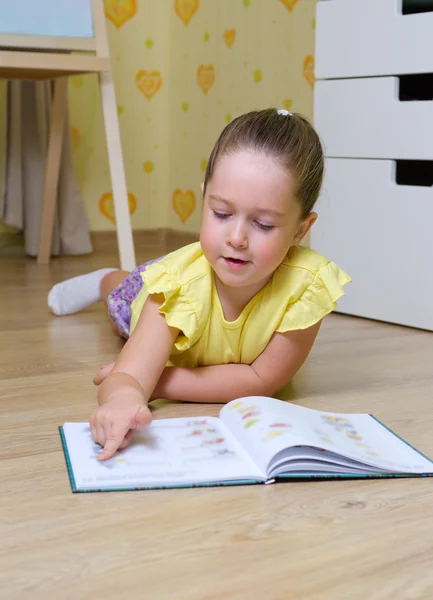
317 300
186 287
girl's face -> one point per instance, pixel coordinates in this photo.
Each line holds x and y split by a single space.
250 219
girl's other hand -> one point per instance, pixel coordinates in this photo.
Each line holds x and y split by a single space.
103 372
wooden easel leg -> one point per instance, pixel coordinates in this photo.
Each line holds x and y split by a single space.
52 169
118 182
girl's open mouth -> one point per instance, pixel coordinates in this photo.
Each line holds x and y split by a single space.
235 263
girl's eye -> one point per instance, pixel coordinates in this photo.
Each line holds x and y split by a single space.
220 215
264 226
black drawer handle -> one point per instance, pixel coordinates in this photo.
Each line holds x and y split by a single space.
417 6
416 87
414 172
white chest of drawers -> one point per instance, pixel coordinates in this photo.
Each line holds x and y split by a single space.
374 113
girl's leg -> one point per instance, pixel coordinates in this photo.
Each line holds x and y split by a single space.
75 294
109 282
78 293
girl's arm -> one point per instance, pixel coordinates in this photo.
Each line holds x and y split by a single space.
147 351
271 371
124 394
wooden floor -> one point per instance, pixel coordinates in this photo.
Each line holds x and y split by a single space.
367 540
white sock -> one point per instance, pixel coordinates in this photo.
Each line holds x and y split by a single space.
74 294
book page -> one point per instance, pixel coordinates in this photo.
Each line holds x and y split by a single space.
285 459
168 452
266 427
263 427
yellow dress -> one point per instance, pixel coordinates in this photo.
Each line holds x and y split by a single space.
302 290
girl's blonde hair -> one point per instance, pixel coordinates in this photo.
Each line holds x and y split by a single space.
288 138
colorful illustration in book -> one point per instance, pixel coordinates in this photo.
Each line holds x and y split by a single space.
242 411
197 432
224 452
196 423
337 423
219 440
342 425
323 436
251 413
273 434
250 423
326 440
276 429
236 405
207 447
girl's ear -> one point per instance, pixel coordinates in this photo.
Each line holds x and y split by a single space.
202 186
305 226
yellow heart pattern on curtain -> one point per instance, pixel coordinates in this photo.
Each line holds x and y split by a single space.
120 11
229 37
289 3
308 69
148 82
186 9
205 77
106 205
183 204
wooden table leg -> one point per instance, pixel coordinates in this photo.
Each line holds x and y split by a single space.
52 169
118 182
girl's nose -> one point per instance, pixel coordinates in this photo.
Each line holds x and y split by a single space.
237 235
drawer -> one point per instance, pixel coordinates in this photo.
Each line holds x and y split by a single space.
364 118
358 38
381 233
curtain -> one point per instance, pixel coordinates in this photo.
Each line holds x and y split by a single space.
24 128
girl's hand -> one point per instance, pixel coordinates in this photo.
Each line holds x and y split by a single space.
103 373
112 423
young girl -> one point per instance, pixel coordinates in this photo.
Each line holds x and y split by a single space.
235 314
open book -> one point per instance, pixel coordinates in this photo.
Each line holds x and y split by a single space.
255 440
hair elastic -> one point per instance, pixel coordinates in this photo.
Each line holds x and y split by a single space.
284 112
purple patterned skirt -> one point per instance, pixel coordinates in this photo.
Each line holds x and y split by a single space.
120 300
